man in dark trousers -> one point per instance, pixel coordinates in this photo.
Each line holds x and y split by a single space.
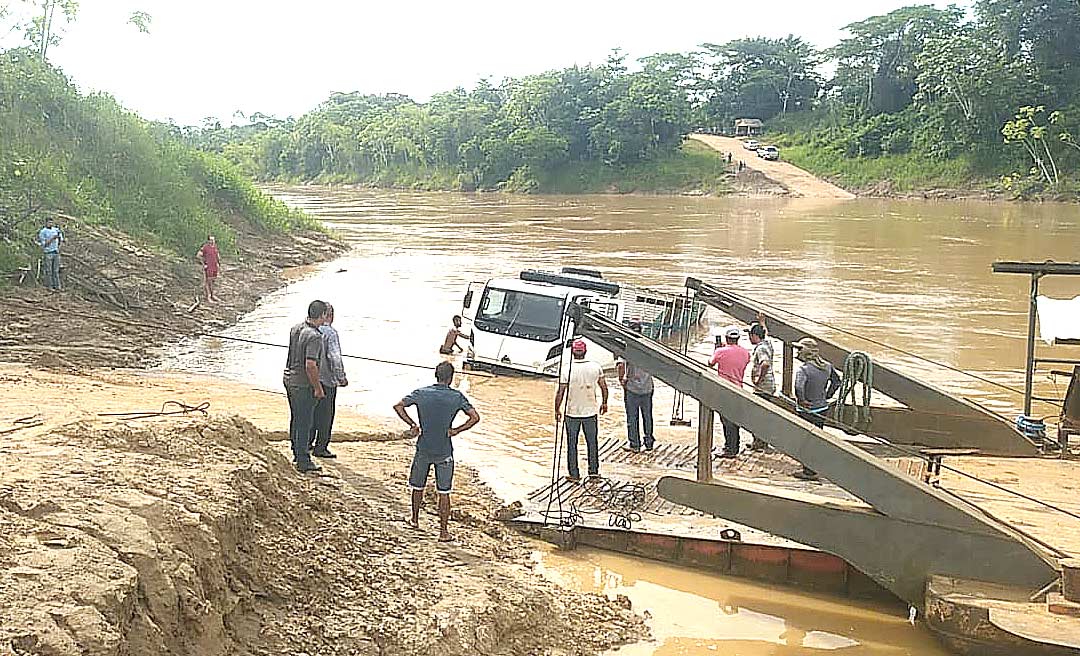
332 376
730 361
436 405
637 387
577 385
815 382
302 386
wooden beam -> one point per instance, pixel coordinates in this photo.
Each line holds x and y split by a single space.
704 443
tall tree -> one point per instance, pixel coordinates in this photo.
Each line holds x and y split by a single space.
875 66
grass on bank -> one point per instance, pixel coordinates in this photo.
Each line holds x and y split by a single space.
907 172
86 156
694 166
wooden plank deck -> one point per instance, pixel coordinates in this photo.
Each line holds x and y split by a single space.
629 490
1052 480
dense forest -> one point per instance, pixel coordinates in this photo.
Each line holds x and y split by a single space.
917 97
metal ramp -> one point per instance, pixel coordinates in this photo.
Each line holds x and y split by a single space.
930 417
910 531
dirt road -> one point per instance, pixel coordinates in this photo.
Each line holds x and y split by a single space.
797 181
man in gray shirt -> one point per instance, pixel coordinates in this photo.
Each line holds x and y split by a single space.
332 376
815 382
302 385
637 387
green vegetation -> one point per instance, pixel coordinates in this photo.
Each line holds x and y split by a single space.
582 126
924 98
920 98
693 166
85 156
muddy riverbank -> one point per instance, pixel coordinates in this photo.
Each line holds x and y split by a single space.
194 535
124 300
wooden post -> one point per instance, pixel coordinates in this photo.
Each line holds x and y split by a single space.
789 370
704 443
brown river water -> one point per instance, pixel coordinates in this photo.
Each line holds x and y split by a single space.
910 273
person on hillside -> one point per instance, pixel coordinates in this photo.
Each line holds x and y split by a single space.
761 370
50 238
436 406
637 387
210 259
302 385
332 376
577 386
450 342
730 361
815 383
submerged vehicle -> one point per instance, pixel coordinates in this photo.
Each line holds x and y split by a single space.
518 323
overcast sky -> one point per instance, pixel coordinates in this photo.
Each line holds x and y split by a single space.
213 57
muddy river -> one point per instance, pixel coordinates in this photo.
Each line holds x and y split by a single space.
914 274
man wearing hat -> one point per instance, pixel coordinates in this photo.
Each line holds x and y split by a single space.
577 386
815 382
761 369
730 361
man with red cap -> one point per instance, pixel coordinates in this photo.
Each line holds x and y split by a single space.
577 386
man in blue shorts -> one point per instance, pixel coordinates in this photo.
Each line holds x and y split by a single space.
437 405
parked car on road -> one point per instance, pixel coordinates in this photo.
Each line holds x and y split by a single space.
768 152
750 144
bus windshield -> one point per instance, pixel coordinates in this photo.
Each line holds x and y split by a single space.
520 314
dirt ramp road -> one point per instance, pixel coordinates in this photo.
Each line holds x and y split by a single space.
797 181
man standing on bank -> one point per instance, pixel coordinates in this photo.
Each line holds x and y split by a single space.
436 405
637 387
50 238
815 382
332 376
577 385
730 361
761 370
210 259
302 385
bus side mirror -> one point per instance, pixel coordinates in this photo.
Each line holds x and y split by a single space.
468 299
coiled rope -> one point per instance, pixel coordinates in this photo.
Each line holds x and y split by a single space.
858 370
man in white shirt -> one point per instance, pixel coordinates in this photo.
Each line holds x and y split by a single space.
577 386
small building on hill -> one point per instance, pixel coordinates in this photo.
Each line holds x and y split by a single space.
748 127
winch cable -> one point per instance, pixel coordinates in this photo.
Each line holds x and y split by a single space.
881 439
182 409
858 370
560 515
621 500
202 333
884 345
678 405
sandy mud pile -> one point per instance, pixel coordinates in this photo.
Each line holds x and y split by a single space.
194 536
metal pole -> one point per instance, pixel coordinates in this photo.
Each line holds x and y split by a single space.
1029 370
789 370
704 443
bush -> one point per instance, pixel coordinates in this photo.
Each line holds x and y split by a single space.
86 156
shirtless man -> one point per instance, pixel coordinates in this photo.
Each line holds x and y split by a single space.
452 337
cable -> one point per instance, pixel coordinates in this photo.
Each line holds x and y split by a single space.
884 345
922 456
182 409
199 333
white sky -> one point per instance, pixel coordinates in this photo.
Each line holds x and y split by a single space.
211 58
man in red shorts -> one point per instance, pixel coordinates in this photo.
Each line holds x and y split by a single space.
210 259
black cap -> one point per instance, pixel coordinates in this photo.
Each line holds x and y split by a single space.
757 329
